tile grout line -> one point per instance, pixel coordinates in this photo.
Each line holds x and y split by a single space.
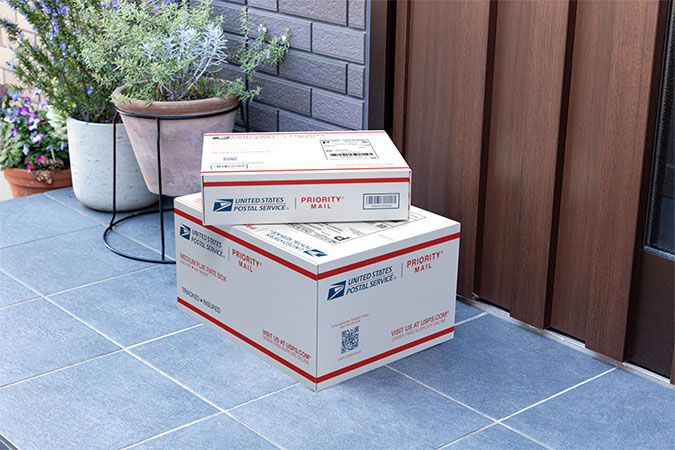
526 436
469 319
20 302
164 433
98 356
556 394
261 397
80 212
114 277
570 343
95 225
461 438
256 432
441 393
161 372
49 372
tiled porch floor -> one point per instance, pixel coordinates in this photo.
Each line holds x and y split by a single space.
95 354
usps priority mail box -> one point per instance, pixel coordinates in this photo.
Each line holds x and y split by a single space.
303 177
321 301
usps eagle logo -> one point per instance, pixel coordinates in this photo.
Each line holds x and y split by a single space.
336 290
184 232
315 252
222 205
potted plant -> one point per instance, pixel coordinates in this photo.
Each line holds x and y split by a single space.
170 56
33 147
55 66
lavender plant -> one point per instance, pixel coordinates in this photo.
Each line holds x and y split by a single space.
169 52
53 63
32 136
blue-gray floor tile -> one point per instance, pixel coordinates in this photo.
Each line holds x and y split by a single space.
146 228
496 437
499 368
216 433
67 197
132 308
618 410
464 311
214 367
106 403
34 217
13 292
379 409
36 337
70 260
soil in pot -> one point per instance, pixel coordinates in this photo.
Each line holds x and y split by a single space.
181 140
22 182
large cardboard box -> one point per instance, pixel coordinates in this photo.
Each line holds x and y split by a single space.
322 301
303 177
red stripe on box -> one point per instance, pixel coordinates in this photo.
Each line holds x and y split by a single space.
389 255
298 370
305 170
393 351
296 132
250 342
295 182
329 273
249 246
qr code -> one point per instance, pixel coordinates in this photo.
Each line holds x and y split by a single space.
350 339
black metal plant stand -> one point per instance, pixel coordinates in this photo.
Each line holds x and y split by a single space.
160 210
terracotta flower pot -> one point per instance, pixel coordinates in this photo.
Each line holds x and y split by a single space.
22 182
181 140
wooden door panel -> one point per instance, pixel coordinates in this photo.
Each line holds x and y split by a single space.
611 80
527 91
438 115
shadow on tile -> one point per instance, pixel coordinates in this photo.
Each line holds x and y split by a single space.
105 403
379 409
618 410
214 367
498 367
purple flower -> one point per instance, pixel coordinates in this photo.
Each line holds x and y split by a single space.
36 138
52 36
90 90
10 64
24 111
54 22
25 150
41 159
29 166
63 10
25 99
63 145
37 91
63 46
14 130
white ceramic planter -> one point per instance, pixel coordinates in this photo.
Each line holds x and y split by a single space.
90 149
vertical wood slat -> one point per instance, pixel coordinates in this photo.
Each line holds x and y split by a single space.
609 99
529 66
438 110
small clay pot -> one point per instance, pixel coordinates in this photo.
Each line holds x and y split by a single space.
22 182
181 140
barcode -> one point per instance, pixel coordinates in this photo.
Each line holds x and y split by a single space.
352 154
375 201
350 339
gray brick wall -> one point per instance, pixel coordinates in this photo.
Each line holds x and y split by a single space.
322 83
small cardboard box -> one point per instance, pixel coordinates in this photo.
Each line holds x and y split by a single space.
323 302
334 176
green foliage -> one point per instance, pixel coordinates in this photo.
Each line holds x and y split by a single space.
31 134
169 52
54 63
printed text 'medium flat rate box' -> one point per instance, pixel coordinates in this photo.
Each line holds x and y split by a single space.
336 176
323 302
